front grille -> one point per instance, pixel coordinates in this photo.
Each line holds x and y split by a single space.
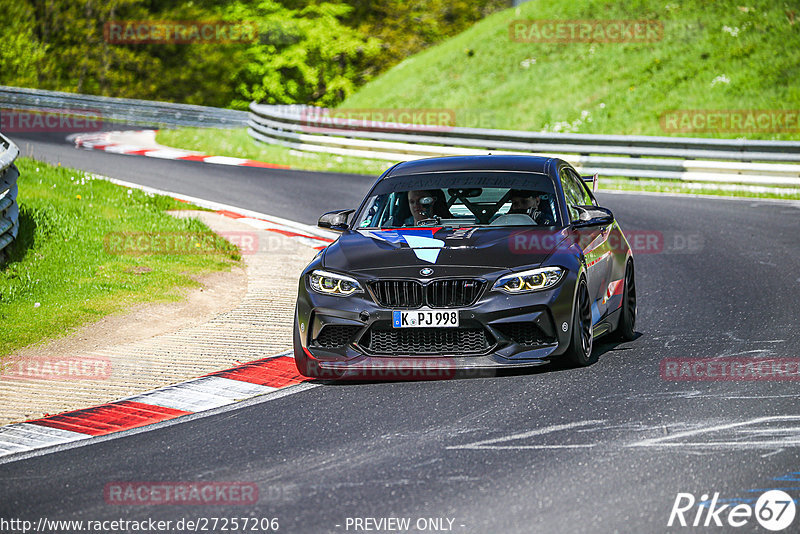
455 293
426 341
336 335
527 334
397 293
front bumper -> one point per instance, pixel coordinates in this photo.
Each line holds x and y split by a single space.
498 331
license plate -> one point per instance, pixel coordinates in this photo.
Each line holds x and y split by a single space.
421 319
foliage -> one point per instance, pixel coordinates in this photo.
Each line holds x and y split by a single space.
406 27
20 51
305 55
79 59
310 52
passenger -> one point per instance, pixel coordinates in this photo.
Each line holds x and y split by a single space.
527 202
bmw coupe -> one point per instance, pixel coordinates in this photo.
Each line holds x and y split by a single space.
469 262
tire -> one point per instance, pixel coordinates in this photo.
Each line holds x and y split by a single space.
627 321
579 352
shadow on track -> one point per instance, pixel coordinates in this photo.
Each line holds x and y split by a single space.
557 365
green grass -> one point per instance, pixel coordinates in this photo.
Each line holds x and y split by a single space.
606 88
60 273
671 186
237 143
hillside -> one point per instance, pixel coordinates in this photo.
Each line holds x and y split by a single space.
720 55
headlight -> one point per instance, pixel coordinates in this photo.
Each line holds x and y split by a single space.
527 281
333 284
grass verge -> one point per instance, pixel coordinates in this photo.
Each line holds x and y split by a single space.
694 188
61 272
721 55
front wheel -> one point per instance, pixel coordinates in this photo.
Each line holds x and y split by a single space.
627 319
579 352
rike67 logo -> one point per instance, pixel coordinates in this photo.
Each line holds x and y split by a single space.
774 510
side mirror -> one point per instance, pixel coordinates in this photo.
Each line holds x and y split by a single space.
593 216
335 220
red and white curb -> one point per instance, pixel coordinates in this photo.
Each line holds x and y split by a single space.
268 376
142 143
209 392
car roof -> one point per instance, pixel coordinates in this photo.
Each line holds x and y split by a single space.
536 164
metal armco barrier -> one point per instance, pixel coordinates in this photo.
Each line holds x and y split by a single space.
9 211
678 158
145 112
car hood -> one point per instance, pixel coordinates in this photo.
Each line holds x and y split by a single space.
367 250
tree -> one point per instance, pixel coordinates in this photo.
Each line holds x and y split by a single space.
305 55
20 51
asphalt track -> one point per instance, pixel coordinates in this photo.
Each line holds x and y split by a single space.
601 449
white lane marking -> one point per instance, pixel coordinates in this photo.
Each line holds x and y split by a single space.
224 160
28 436
492 443
782 430
733 435
121 149
165 153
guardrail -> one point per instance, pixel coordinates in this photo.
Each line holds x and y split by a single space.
680 158
144 112
9 211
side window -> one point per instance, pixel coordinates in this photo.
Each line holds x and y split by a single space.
571 194
582 190
575 192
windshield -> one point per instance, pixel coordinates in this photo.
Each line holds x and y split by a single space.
461 199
